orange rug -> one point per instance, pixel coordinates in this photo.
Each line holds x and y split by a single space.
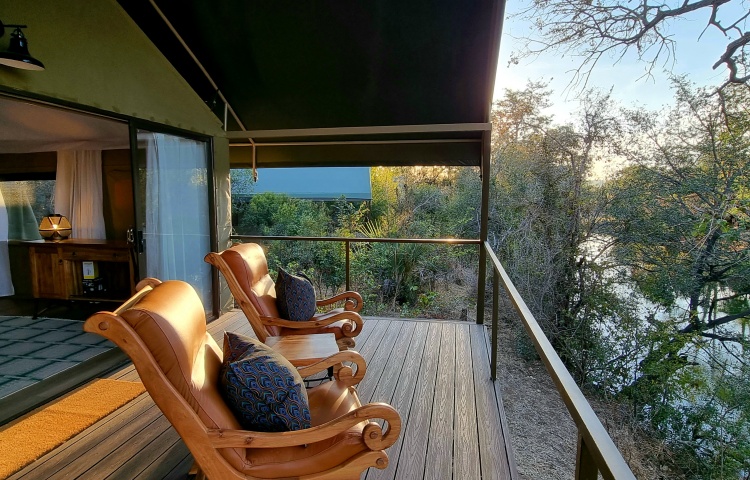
31 436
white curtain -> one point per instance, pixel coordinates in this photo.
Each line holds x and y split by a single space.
6 282
78 192
177 230
22 222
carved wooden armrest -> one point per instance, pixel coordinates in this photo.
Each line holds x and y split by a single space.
343 373
373 435
281 322
352 301
351 328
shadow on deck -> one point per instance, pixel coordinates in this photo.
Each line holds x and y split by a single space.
435 373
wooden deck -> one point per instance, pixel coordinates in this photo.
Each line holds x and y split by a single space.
436 374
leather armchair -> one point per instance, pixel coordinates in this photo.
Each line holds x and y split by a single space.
163 330
245 269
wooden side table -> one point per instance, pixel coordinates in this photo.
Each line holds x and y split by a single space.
303 350
57 270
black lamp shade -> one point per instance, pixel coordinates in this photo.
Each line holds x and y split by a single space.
55 227
17 55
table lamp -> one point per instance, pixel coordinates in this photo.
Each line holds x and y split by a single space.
55 227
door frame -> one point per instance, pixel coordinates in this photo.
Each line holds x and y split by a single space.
134 125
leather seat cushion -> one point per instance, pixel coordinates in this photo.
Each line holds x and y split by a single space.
327 402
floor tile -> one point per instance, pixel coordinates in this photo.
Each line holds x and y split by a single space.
21 322
14 386
50 369
20 334
21 366
74 326
22 348
58 352
86 339
56 336
57 324
87 353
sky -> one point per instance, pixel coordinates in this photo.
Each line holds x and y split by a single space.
693 57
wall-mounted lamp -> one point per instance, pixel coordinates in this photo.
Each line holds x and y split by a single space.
17 55
55 227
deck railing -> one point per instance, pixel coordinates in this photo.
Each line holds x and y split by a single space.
349 240
596 452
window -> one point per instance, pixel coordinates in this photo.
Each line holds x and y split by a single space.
26 202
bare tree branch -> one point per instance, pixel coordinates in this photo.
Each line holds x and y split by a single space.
592 29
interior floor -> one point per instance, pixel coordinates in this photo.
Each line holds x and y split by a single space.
34 350
72 310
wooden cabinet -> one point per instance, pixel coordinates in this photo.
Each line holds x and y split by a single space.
57 269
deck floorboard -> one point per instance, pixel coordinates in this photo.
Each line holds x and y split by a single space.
493 457
439 460
402 399
466 434
435 373
414 448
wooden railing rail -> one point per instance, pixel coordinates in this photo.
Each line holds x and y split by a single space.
596 451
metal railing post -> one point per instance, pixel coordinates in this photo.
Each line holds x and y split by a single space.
495 289
483 225
481 284
346 242
585 463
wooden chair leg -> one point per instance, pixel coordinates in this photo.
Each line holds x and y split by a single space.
196 473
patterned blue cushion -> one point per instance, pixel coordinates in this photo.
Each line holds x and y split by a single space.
263 390
295 296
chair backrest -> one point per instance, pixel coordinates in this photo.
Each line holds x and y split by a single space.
245 268
163 330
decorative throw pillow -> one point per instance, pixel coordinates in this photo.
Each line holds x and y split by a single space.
264 391
295 296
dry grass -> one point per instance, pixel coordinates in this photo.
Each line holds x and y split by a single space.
544 436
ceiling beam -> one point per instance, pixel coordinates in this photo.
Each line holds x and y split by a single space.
379 130
354 142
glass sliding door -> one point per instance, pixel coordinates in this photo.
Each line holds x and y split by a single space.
172 212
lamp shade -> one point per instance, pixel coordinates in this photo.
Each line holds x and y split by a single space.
55 227
17 55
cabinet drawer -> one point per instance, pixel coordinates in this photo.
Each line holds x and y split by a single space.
96 254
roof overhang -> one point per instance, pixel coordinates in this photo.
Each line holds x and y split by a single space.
393 145
338 83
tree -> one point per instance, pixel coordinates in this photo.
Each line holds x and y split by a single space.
680 221
681 213
593 30
544 213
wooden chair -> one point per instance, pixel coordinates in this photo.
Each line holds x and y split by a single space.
245 268
163 330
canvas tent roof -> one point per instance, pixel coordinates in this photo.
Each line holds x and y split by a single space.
376 82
